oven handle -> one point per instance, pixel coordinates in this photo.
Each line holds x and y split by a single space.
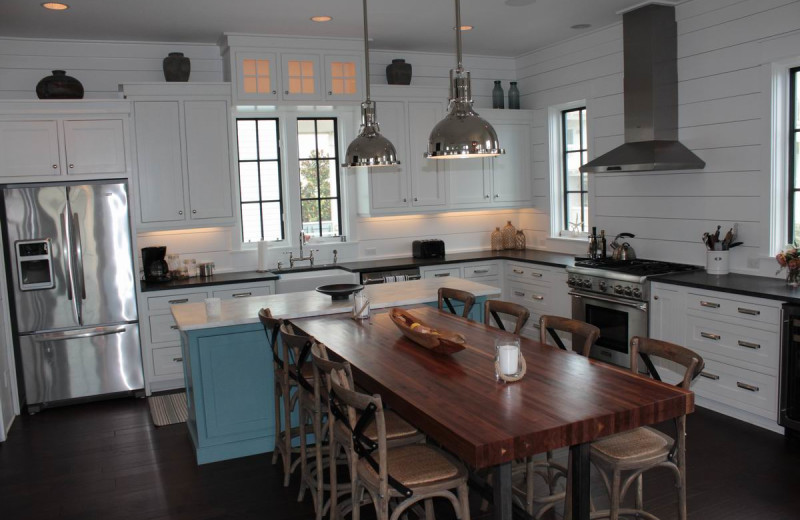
641 306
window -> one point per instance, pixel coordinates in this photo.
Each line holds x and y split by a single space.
794 155
320 202
260 179
573 155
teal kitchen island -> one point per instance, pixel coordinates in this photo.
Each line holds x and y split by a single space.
227 361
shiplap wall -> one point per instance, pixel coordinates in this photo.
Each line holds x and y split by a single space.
725 48
102 66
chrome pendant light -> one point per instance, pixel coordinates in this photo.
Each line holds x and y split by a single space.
462 134
369 148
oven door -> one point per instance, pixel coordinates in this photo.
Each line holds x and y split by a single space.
618 320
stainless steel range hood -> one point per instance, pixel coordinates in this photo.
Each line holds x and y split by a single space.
651 97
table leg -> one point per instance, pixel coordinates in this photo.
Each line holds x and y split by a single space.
501 487
580 481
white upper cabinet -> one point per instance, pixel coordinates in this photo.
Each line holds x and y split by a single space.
428 182
29 148
512 172
388 185
285 70
34 144
183 138
94 146
470 182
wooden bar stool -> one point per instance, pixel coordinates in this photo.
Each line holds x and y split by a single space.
398 431
583 334
285 397
401 476
636 451
448 295
495 308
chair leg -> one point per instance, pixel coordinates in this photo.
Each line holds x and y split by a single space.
681 440
639 493
615 498
320 480
277 394
429 510
463 500
303 457
287 438
530 473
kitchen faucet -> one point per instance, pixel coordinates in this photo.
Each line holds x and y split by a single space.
301 258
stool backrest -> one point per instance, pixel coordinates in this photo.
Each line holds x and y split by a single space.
584 335
494 309
447 295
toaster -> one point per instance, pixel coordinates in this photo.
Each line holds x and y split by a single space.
433 248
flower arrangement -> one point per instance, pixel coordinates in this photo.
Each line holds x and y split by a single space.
789 259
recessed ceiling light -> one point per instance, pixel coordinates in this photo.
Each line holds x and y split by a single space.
321 18
55 6
581 26
466 27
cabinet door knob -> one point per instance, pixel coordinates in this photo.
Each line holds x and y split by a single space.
274 92
655 297
416 199
55 166
496 195
71 165
180 212
330 93
194 211
286 92
487 195
405 200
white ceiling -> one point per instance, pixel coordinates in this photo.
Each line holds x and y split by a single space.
414 25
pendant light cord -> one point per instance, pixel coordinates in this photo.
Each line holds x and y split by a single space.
460 66
366 51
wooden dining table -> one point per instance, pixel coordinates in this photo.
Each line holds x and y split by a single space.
563 400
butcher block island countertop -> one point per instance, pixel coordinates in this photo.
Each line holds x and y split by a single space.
242 311
227 362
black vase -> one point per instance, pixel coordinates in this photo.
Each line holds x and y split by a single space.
59 86
398 72
177 67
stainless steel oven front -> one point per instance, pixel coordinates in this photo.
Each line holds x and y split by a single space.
618 319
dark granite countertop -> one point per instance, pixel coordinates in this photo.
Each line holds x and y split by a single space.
217 279
368 266
748 285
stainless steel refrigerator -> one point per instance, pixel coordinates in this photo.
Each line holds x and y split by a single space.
68 249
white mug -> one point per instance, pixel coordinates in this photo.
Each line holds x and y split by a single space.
213 307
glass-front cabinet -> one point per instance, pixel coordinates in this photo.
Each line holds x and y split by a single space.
257 75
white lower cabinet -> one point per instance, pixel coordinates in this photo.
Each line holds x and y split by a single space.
739 340
541 289
161 342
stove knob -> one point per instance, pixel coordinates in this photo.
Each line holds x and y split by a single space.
587 283
617 289
637 292
571 281
602 286
627 290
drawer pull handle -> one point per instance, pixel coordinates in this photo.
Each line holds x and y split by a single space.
708 375
173 327
745 386
480 271
747 344
177 359
538 297
182 300
518 271
537 275
242 294
519 293
708 335
751 312
441 275
710 305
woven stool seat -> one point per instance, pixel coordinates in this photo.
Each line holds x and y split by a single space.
415 465
634 444
396 428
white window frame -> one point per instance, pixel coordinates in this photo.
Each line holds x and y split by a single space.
290 171
556 169
779 154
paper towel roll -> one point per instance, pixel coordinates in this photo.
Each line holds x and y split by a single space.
263 256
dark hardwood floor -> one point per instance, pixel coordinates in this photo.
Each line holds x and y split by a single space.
106 460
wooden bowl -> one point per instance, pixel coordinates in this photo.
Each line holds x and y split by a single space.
441 342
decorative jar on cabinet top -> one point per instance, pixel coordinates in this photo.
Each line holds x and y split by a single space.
497 239
509 236
59 86
519 240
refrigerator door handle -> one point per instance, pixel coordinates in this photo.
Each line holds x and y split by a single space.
76 229
71 294
74 334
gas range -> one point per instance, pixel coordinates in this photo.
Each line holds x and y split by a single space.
619 278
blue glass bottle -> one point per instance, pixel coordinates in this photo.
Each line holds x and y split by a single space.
497 95
513 96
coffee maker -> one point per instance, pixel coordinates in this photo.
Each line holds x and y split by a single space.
155 267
